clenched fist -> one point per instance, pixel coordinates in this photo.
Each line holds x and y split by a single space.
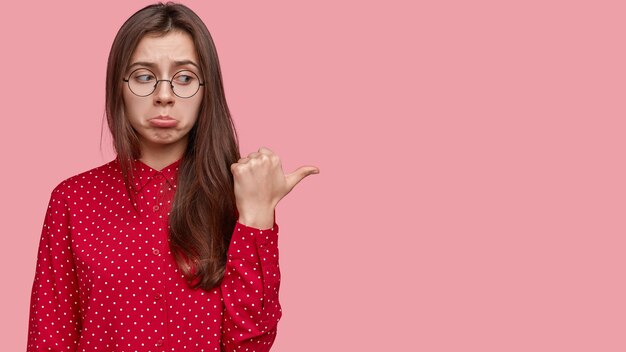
260 184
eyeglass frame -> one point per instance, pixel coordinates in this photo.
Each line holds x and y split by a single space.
200 84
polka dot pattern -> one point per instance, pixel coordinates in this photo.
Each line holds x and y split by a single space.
106 279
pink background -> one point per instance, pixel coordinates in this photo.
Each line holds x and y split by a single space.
472 186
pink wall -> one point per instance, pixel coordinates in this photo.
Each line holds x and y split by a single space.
472 186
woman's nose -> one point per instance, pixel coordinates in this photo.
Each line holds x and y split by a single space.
163 92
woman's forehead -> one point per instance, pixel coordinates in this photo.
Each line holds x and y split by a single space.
172 64
174 49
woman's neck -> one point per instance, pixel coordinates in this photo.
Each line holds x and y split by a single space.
159 156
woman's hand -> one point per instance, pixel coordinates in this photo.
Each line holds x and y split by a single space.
260 184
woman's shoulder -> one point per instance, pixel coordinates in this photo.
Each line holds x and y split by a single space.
104 174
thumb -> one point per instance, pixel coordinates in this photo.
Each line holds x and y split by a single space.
297 176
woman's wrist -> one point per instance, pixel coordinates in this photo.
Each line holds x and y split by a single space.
259 218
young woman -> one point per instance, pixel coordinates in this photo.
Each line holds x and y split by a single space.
171 246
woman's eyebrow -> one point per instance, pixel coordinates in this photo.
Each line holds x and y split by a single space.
174 64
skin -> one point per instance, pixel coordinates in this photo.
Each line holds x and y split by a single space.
259 181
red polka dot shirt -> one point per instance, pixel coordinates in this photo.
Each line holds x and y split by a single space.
107 281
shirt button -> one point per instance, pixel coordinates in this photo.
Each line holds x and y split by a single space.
157 296
155 208
159 343
155 251
158 176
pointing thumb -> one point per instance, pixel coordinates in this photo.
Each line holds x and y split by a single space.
297 176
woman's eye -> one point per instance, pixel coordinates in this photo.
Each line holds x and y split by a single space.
144 78
184 79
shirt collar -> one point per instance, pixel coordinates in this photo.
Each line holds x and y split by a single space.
144 174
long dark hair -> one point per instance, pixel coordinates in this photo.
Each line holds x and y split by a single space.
204 211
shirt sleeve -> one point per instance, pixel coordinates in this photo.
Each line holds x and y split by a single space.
250 290
54 322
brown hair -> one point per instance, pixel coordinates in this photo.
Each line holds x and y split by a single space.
204 211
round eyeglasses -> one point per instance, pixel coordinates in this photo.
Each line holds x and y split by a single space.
142 82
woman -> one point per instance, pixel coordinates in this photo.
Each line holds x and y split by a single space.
173 244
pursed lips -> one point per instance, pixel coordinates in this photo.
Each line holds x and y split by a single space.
163 117
163 121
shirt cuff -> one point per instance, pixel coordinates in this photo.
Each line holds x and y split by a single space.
261 236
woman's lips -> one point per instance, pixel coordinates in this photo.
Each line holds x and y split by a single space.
163 121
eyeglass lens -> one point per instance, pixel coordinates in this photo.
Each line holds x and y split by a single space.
142 82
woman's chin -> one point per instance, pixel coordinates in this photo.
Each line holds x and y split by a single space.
162 139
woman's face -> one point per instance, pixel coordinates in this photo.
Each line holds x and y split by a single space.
164 56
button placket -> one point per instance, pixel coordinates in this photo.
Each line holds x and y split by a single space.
157 213
160 199
157 181
157 197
